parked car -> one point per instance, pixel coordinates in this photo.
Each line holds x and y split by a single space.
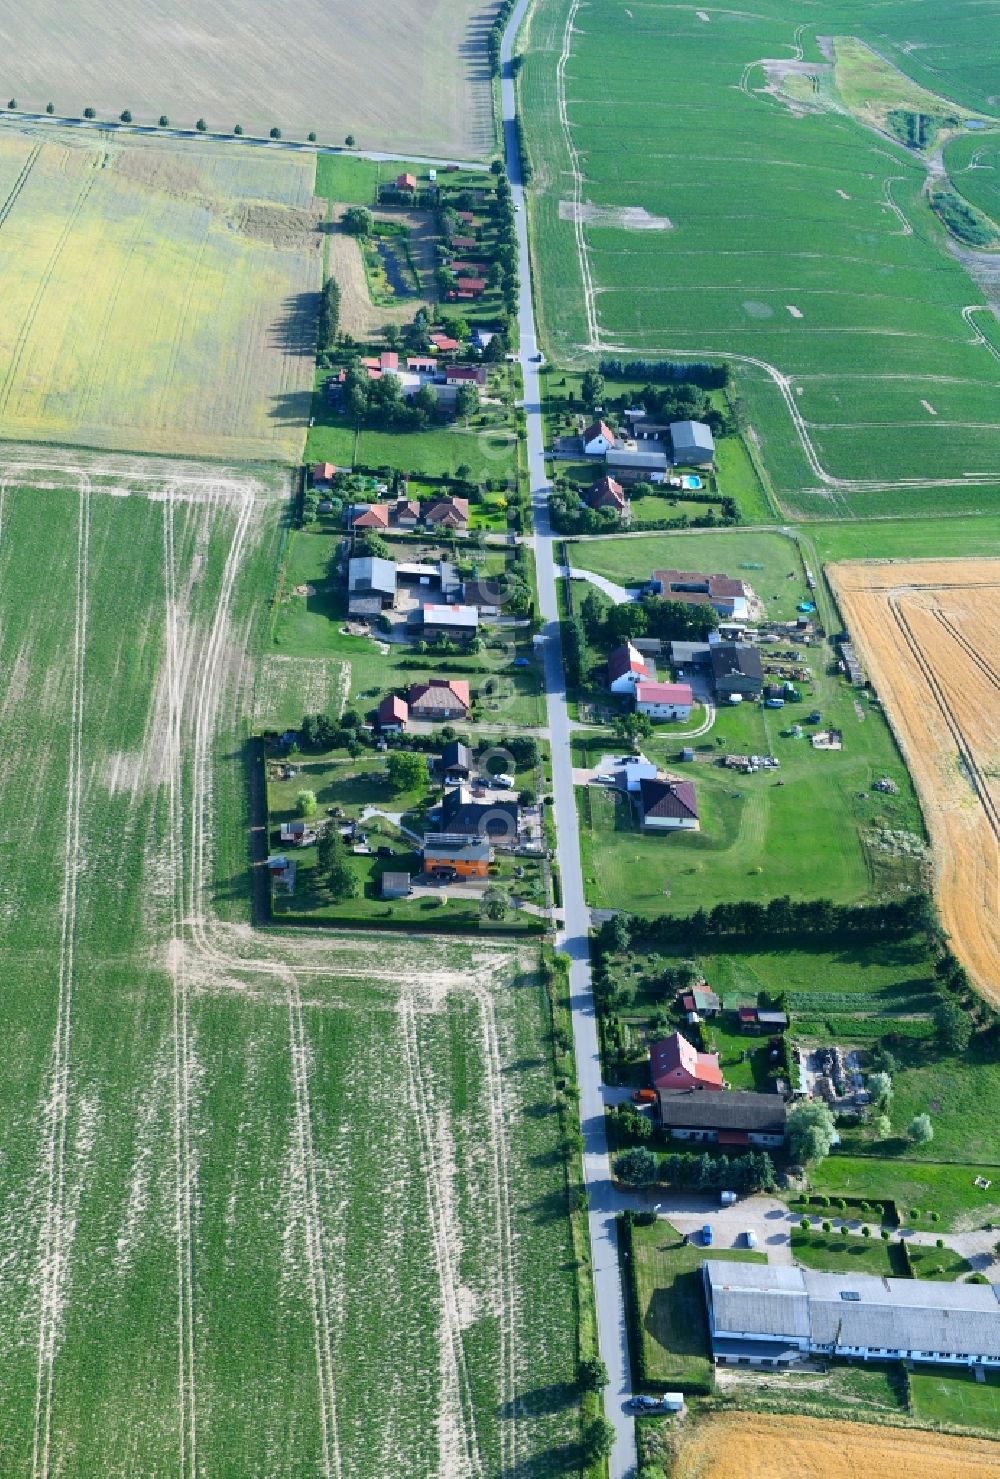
504 782
445 875
750 1238
644 1096
642 1404
707 1235
727 1198
385 852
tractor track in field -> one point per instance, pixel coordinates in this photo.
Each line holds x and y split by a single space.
183 1172
306 1172
460 1452
54 1236
18 185
28 322
593 332
962 744
506 1273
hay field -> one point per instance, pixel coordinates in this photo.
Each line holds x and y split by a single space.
746 1446
401 76
158 297
801 247
271 1204
927 634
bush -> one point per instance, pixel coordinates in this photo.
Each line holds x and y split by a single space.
164 121
90 112
593 1374
125 116
202 126
598 1440
275 133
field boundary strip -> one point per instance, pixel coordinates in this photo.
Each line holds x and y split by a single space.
53 1252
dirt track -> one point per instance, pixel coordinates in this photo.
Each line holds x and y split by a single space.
745 1446
927 634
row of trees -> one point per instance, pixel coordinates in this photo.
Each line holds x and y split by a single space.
125 116
786 918
711 377
654 616
753 1171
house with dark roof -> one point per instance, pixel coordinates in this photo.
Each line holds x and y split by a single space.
442 698
456 760
668 806
392 714
737 1117
463 815
448 513
598 438
465 375
730 598
455 854
674 1063
692 442
635 465
736 669
762 1019
606 493
627 668
775 1315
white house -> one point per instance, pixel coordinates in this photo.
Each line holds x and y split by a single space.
770 1315
636 769
664 701
598 439
627 668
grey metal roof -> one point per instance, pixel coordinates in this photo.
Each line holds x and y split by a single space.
643 461
735 1109
692 434
881 1314
370 573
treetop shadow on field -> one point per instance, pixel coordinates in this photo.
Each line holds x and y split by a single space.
292 408
294 330
555 1397
567 1458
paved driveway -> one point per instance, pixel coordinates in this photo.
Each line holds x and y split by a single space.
765 1216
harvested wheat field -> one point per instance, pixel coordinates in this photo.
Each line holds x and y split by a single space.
158 296
745 1446
399 74
927 634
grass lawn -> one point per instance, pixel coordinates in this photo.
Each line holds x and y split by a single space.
949 1190
672 1303
780 583
309 626
847 1253
956 1397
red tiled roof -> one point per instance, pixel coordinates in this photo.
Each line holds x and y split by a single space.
606 493
393 710
451 693
406 182
465 242
674 1053
442 342
624 660
448 511
376 516
474 285
388 360
597 429
714 587
664 693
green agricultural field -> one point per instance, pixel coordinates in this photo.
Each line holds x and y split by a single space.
781 231
256 1174
158 297
672 1303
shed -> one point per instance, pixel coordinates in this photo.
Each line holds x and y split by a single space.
395 885
693 442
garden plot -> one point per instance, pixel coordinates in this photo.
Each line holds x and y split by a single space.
245 1175
926 633
159 296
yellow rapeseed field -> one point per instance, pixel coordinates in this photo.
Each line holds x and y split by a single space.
158 296
927 634
747 1446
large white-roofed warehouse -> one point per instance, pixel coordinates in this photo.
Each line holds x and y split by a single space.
767 1315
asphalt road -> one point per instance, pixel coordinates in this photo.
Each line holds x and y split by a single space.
574 940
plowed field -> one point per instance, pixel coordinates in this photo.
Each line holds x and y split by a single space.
927 633
743 1446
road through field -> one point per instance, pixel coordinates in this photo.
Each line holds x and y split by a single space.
574 940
